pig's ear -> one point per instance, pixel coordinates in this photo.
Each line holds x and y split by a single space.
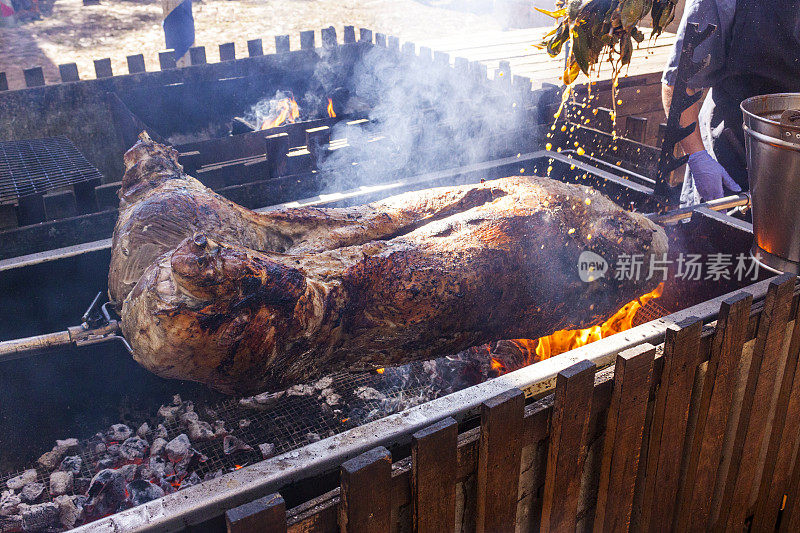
148 164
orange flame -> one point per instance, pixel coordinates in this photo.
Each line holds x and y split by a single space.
289 113
380 370
237 467
331 112
566 340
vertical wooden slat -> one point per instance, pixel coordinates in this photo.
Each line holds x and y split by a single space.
623 441
380 39
499 456
790 520
566 454
282 44
783 441
364 35
102 68
197 55
68 72
366 485
668 430
166 59
307 40
349 34
264 515
712 419
277 148
749 438
255 48
34 77
3 82
328 37
227 51
136 64
434 467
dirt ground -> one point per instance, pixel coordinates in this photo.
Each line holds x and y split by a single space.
71 32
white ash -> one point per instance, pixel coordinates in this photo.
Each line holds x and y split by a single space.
71 463
368 393
143 431
267 449
329 397
199 431
31 492
161 432
17 482
9 503
261 401
189 417
60 482
51 459
70 510
119 432
323 383
100 448
313 437
300 390
244 423
133 448
233 444
190 480
11 523
158 446
178 448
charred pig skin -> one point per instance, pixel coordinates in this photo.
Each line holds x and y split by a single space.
466 265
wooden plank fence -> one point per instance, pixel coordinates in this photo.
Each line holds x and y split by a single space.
699 433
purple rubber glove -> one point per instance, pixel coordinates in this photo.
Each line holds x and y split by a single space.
709 176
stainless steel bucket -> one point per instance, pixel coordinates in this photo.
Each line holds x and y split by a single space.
773 165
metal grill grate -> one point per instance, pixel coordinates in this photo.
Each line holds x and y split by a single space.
649 312
36 166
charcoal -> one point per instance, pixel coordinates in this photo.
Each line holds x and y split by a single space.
106 461
119 432
143 431
71 463
52 459
70 510
9 503
267 449
17 482
133 448
158 446
323 383
41 517
11 523
368 393
169 413
244 422
160 467
100 448
249 403
313 437
141 491
70 445
178 448
60 482
161 432
188 418
300 390
233 444
31 492
190 480
199 431
81 484
219 428
113 450
106 492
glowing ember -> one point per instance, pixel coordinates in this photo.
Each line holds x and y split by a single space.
566 340
288 112
237 467
380 370
331 112
535 350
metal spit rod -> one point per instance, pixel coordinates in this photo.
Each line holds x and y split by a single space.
97 327
683 213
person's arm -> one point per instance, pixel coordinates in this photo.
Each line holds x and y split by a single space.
694 142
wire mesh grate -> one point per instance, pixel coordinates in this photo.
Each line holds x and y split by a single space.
36 166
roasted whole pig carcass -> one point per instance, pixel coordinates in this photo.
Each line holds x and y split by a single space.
246 302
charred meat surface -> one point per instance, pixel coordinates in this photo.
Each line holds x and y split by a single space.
413 277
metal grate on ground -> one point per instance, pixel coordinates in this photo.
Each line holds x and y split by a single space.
37 166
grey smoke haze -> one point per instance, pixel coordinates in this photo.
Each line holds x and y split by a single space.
423 116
